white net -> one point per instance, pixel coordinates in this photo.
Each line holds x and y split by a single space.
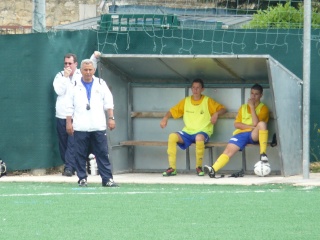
222 25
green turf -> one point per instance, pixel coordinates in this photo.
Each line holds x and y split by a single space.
65 211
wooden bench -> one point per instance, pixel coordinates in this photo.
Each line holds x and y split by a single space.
165 143
209 146
227 115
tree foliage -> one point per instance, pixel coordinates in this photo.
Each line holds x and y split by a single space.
283 16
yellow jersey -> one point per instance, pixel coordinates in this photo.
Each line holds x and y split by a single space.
244 116
196 114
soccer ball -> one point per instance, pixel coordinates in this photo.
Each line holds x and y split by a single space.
262 168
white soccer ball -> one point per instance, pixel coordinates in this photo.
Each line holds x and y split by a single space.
262 168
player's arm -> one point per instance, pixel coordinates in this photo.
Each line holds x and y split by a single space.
264 114
164 120
254 116
175 112
238 122
215 110
242 126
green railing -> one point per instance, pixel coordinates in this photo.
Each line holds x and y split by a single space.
137 22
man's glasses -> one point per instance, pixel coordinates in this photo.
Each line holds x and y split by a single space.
67 63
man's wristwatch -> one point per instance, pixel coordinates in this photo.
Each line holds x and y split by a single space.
111 118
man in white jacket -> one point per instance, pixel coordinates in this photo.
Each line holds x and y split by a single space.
60 84
87 102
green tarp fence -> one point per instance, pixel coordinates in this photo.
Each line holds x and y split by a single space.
28 138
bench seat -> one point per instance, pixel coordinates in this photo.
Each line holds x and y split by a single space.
209 146
165 143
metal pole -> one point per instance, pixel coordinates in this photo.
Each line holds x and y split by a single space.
306 88
39 16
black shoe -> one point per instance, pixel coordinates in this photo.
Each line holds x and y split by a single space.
237 174
110 183
210 171
264 157
67 173
82 183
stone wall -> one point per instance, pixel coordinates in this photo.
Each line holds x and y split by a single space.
16 13
20 12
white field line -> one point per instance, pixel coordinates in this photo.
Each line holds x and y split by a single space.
134 193
76 193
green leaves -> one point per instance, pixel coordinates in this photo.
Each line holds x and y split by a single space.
283 17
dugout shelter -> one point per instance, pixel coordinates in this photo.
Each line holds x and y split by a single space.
146 86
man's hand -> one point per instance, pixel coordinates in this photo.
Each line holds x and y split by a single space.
67 72
97 54
69 127
251 103
111 124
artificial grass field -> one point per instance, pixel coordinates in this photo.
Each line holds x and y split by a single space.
137 211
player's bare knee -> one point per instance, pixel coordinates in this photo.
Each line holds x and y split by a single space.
199 137
262 125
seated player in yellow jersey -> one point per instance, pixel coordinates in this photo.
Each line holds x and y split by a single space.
199 113
251 128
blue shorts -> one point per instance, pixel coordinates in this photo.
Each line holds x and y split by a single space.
242 139
189 139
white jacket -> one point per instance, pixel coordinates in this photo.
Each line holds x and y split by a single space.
101 100
61 84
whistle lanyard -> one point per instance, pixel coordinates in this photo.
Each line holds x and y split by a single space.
88 86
